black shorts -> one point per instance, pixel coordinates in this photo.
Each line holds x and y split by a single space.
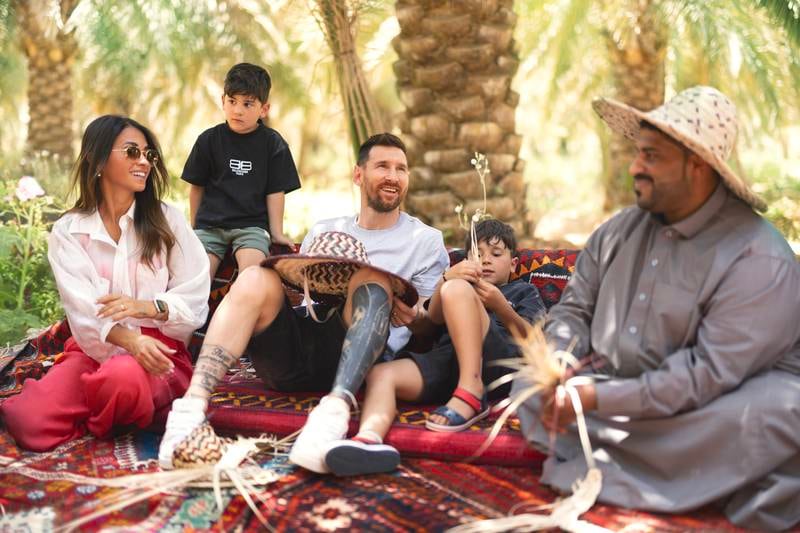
439 367
295 353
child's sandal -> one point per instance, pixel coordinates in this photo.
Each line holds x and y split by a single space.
455 421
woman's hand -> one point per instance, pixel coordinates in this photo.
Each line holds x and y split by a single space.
119 306
152 354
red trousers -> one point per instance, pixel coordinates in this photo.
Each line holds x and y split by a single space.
78 395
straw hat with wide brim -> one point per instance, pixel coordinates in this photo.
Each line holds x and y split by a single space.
331 260
700 118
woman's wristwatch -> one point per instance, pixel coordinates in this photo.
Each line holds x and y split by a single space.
161 306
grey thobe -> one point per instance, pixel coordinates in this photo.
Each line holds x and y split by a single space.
694 331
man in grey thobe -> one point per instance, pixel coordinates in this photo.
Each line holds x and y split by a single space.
687 308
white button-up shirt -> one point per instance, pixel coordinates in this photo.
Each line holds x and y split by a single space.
88 264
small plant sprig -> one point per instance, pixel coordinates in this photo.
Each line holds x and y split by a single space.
28 297
481 165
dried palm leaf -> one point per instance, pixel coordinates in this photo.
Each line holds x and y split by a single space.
236 468
545 369
539 365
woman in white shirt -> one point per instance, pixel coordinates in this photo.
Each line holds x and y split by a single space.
134 283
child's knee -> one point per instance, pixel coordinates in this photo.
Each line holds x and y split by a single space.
381 375
456 290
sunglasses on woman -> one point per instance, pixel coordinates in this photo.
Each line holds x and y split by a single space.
133 152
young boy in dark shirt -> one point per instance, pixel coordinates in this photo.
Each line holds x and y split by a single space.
481 310
240 172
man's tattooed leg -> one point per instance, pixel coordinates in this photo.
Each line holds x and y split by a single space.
365 339
212 364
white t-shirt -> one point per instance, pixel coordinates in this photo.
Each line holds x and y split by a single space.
411 249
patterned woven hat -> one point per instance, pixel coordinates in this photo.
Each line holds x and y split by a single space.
331 260
701 118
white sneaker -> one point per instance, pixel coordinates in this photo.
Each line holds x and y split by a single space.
326 423
186 414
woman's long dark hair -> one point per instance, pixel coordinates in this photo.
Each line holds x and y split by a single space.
149 221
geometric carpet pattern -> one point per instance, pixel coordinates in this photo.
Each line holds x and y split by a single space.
38 492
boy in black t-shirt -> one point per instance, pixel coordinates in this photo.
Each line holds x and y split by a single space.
240 172
480 309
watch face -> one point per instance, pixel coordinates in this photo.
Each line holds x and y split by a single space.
160 306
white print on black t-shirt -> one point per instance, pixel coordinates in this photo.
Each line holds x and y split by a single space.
240 168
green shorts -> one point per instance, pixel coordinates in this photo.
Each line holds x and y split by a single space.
217 240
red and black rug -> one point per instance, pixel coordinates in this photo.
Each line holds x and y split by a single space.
41 491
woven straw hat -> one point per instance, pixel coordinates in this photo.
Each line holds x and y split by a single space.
701 118
332 259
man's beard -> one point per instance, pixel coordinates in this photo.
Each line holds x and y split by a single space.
374 202
642 203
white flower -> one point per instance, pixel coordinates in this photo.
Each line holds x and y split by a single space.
28 188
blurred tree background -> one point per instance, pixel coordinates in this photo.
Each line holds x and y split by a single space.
510 78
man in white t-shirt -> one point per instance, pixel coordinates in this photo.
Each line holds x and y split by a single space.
292 351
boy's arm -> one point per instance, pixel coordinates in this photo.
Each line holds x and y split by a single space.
275 204
195 196
495 302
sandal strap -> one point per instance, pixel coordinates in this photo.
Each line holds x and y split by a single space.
452 416
470 399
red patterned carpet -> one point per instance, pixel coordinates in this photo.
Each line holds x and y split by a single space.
241 405
40 491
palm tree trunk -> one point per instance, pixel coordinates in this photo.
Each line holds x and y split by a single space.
637 54
338 19
456 63
50 50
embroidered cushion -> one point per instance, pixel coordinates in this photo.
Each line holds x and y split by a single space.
549 270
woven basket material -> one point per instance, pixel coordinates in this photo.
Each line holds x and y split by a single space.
332 259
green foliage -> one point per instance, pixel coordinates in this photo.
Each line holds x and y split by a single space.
782 193
28 295
785 13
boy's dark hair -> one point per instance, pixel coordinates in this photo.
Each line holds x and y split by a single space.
249 80
379 139
491 230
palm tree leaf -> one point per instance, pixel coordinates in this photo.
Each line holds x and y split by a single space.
786 13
